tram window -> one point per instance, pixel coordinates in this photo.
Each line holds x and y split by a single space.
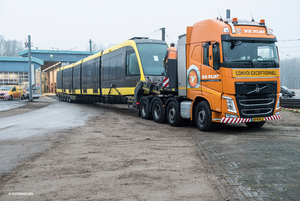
113 70
119 67
132 66
106 69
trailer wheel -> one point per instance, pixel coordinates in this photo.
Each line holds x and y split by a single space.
173 114
203 117
145 109
158 112
255 124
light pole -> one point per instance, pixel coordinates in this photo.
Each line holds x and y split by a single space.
29 65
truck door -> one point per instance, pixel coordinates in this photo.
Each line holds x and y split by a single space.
210 76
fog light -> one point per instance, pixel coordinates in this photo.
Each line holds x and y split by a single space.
231 116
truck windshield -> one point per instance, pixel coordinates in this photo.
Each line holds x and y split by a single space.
5 88
239 54
152 56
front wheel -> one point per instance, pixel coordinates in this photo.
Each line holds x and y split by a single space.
203 117
255 124
10 97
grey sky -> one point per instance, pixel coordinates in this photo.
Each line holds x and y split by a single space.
66 24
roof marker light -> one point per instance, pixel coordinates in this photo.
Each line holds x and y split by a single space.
262 22
235 20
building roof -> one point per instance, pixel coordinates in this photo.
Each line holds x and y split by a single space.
24 52
21 59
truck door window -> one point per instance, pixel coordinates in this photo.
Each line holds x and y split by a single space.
13 89
205 53
216 56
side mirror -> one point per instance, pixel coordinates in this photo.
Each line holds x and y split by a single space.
216 56
278 54
210 56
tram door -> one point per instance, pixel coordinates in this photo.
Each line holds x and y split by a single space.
95 75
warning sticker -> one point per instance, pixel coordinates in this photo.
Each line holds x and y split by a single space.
255 73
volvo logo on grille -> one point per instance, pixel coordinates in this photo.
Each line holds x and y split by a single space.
257 89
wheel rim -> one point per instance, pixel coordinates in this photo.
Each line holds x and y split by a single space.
144 109
157 111
172 114
201 116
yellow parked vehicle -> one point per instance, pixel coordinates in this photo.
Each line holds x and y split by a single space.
10 92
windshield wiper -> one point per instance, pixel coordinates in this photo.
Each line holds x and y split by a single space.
248 60
271 60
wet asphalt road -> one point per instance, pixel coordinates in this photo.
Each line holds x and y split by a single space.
7 105
245 164
25 134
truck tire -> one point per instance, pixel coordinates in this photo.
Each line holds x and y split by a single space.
158 112
203 117
255 124
10 97
173 114
145 109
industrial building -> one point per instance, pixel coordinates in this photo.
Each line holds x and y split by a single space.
44 64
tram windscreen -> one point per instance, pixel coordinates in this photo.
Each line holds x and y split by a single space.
152 56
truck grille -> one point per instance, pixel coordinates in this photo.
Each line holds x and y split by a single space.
256 87
256 99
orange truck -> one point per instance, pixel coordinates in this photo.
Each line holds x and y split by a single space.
227 71
232 69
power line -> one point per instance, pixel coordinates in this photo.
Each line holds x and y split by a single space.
169 38
152 33
290 47
289 40
54 48
78 46
289 51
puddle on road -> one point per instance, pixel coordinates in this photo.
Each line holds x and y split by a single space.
7 105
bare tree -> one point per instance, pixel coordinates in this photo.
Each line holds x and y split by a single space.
96 47
290 72
10 47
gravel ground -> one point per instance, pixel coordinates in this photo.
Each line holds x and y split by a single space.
115 156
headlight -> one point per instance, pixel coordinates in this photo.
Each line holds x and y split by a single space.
230 104
278 105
